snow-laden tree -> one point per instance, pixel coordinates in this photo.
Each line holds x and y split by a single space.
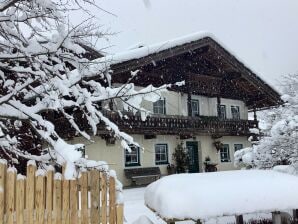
44 68
279 145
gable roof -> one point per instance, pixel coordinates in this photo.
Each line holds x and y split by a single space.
201 50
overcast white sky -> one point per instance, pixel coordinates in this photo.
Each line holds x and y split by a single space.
263 33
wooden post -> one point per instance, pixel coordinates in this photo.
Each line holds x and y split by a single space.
84 198
276 218
103 189
95 199
218 106
120 214
239 219
20 199
73 202
2 188
49 196
295 216
10 193
30 190
112 201
40 199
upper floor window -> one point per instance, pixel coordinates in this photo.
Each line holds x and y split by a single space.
132 158
225 153
223 112
161 154
195 108
238 147
159 107
235 111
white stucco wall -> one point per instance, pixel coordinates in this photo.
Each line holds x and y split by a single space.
176 104
114 154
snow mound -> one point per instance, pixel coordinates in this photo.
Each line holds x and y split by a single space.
143 220
208 195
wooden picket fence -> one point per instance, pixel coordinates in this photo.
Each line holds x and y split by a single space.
50 199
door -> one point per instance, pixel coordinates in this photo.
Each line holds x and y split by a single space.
193 151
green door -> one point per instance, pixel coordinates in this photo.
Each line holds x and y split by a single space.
193 151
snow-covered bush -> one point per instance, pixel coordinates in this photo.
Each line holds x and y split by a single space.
279 146
45 68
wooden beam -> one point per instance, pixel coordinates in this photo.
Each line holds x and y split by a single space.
239 219
218 106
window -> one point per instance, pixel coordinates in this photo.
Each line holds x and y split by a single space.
225 154
132 158
223 112
195 108
161 154
238 147
159 107
235 112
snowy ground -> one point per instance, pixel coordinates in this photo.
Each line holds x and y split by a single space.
134 208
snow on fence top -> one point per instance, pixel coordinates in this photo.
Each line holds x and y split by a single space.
207 195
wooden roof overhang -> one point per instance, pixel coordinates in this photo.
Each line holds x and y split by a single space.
207 68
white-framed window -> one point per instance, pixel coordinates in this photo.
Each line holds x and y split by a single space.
223 112
225 153
195 108
238 147
159 107
132 158
235 111
161 154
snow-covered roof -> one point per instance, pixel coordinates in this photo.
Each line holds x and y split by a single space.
140 52
207 195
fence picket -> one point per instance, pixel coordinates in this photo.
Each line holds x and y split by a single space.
103 188
20 199
30 185
84 198
49 196
57 199
120 214
40 199
2 189
10 193
73 202
95 199
65 202
112 201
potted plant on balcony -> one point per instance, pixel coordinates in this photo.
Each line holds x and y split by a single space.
181 159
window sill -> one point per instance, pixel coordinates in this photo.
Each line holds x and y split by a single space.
161 163
228 161
132 165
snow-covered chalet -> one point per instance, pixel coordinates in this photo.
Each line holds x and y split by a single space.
209 114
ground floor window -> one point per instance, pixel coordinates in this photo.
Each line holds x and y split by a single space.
161 154
238 147
225 154
132 158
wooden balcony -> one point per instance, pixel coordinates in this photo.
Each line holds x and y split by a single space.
181 125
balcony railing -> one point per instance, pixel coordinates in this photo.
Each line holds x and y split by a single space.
180 125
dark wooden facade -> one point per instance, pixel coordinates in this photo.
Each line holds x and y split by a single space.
208 70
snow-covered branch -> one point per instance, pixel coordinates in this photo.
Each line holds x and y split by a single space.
45 68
